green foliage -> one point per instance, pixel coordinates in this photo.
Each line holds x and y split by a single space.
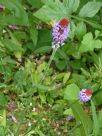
17 11
89 43
71 5
39 92
86 125
90 9
71 92
95 119
52 11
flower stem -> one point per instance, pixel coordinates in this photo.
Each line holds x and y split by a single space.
49 63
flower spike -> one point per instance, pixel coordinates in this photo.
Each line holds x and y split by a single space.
60 32
85 95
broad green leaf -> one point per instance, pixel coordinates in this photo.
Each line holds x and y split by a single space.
90 9
54 12
71 92
97 44
96 125
71 5
86 124
89 44
44 38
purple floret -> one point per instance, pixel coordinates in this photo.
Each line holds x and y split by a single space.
85 95
60 33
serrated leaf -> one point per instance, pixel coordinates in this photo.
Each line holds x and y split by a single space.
71 5
89 44
90 9
53 12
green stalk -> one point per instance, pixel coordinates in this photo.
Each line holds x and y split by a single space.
49 63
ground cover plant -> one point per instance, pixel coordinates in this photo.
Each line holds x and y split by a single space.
50 68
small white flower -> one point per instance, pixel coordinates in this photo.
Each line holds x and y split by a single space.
29 124
31 104
33 109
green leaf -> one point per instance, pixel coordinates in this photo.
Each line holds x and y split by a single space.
71 92
48 2
44 38
98 98
41 87
42 49
68 112
89 44
80 30
72 30
97 33
71 5
95 120
2 132
34 35
53 12
3 118
35 3
90 9
2 100
60 64
18 14
66 77
13 45
86 124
